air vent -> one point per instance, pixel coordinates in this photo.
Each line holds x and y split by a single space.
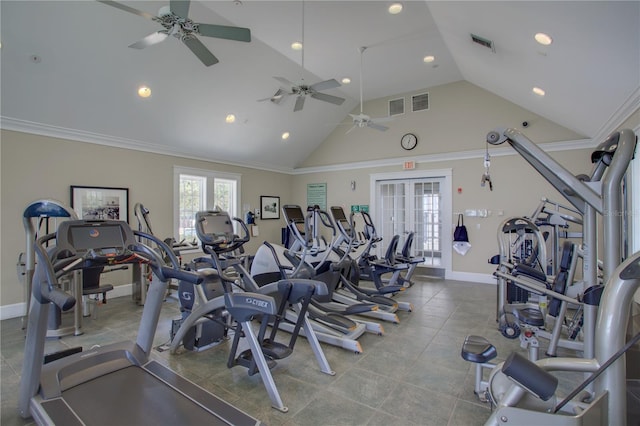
420 102
396 107
483 42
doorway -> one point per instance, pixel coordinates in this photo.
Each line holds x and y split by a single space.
420 202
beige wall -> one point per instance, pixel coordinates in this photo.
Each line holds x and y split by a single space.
37 167
517 190
459 117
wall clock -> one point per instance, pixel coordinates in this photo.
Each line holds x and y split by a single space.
409 141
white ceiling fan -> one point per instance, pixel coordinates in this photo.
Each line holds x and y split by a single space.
175 21
302 90
362 119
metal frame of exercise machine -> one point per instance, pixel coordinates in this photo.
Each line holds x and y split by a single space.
116 383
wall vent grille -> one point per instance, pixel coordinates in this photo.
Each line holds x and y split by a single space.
420 102
396 107
483 42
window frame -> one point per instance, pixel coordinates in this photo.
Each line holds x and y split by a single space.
210 176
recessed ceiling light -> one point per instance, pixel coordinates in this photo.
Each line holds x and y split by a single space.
346 80
285 136
296 45
429 58
230 118
144 92
543 39
395 8
538 91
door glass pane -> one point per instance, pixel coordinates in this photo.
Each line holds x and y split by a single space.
412 206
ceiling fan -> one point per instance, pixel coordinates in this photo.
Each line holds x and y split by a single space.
303 90
175 21
363 120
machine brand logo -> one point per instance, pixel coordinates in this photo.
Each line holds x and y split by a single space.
94 233
256 302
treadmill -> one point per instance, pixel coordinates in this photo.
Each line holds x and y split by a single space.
116 383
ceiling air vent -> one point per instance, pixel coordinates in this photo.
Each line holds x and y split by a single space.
420 102
396 107
483 42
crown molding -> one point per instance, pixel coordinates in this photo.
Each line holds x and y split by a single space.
631 105
446 156
13 124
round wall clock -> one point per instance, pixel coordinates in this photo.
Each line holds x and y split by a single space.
409 141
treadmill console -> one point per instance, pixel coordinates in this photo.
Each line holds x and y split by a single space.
95 239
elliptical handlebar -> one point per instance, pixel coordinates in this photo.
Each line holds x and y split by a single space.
215 240
326 219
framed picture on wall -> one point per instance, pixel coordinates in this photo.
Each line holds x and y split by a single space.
269 207
101 203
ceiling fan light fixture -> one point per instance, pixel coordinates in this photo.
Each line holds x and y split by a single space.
164 11
296 45
144 92
543 39
345 80
230 118
538 91
395 8
428 59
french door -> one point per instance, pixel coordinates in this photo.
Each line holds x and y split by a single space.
419 204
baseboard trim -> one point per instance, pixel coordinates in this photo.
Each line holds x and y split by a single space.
472 277
18 309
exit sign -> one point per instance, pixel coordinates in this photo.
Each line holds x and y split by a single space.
409 165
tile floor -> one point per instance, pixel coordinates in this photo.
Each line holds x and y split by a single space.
412 375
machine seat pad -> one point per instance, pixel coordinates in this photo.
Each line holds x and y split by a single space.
528 271
529 316
478 349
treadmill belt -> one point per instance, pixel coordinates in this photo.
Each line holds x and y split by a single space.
132 396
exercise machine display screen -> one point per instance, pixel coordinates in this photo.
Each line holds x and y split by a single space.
216 225
339 217
294 214
105 239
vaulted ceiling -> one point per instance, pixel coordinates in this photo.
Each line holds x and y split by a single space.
66 69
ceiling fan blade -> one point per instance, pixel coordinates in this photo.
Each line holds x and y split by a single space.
225 32
150 40
276 98
328 98
200 51
180 7
351 129
129 9
279 96
325 85
377 126
284 81
299 103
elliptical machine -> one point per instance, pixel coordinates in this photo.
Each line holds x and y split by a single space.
269 302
